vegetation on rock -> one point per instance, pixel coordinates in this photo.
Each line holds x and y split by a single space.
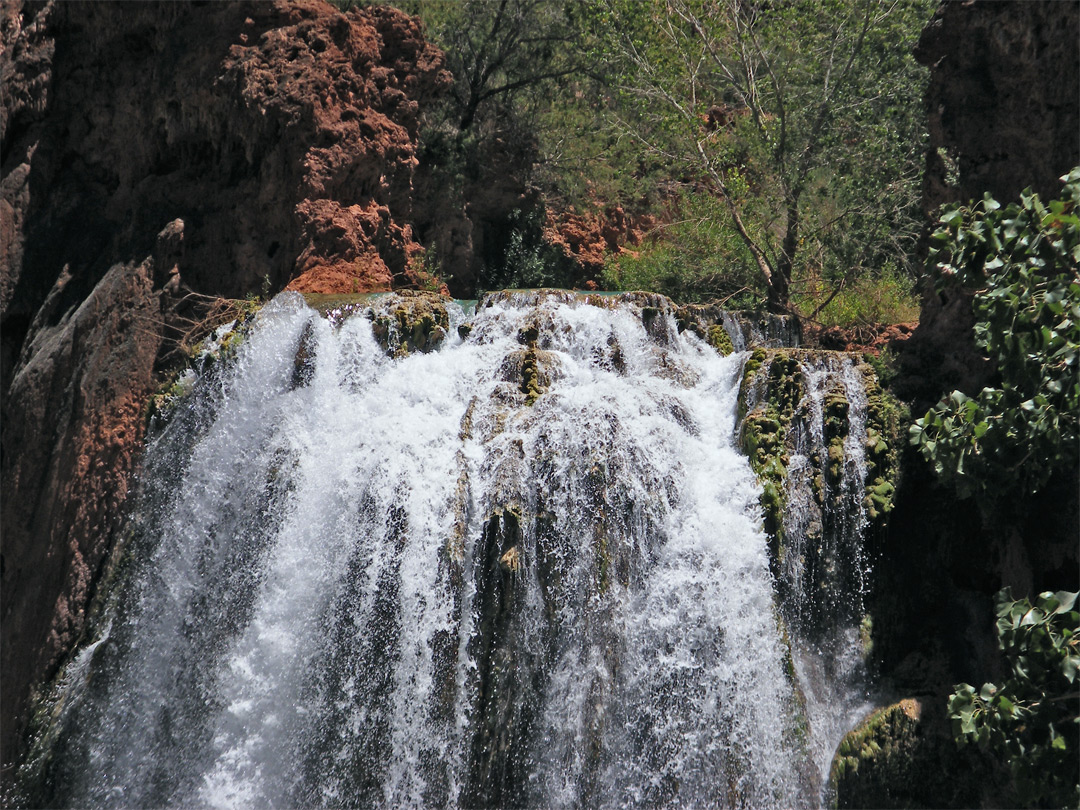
771 399
410 321
877 753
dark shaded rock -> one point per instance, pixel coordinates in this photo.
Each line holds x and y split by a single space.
1003 106
903 756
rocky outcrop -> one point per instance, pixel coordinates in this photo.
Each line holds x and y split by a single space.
872 339
155 155
1003 107
587 239
903 755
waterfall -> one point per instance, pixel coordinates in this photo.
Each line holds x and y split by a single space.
810 408
510 557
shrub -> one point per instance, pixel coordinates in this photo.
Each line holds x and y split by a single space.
1022 261
698 257
526 259
1031 719
884 297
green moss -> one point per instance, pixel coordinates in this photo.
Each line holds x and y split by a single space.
765 426
161 406
866 636
530 377
876 753
903 755
720 340
835 466
410 321
885 415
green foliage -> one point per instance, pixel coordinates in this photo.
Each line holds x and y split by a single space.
424 268
528 259
505 55
887 296
802 117
695 258
1023 261
1032 719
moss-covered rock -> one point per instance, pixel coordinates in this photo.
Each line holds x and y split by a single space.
885 415
774 408
729 331
207 356
720 340
410 321
771 389
875 753
903 756
822 436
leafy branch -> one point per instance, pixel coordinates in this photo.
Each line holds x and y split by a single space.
1022 262
1032 718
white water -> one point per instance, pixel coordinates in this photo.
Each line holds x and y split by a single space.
402 585
825 568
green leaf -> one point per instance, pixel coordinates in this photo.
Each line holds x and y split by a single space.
1066 600
967 721
1070 666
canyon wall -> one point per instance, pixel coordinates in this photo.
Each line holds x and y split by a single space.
156 155
1003 115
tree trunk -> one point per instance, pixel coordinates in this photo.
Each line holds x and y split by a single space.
780 282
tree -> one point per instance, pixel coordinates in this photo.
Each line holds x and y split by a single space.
762 99
498 51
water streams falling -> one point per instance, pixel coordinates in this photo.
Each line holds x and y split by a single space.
822 566
526 569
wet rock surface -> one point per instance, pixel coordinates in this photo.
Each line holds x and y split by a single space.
824 439
410 321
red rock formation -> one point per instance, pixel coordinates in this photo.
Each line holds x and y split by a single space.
867 339
151 149
587 239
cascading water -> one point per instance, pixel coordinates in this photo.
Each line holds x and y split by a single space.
526 569
821 561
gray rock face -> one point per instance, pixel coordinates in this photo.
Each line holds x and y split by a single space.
72 428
